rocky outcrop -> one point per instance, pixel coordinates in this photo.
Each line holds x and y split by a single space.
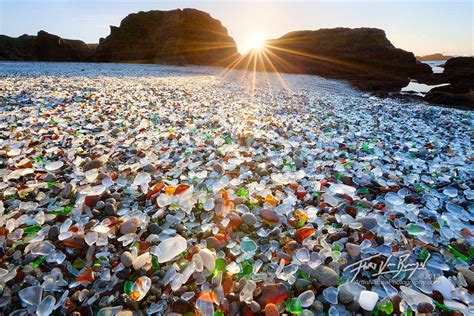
44 47
459 73
460 70
54 48
19 48
363 56
186 36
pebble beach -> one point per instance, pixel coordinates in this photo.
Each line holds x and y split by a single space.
159 190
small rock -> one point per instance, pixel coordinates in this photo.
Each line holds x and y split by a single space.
213 243
127 259
49 178
368 222
53 233
129 226
115 131
249 219
93 164
68 190
100 205
149 168
352 249
269 215
110 209
345 296
302 284
180 228
468 275
317 306
155 228
218 168
425 307
326 276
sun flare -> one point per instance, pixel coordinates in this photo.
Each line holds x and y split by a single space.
257 42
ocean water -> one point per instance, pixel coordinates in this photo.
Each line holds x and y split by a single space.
436 65
421 89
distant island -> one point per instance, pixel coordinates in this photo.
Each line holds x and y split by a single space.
437 56
362 56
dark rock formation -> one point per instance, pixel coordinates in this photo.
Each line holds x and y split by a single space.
179 36
44 47
460 70
363 56
459 73
54 48
431 57
20 48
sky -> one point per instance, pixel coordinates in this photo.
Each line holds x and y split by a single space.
420 26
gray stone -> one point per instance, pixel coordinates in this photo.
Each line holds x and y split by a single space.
155 228
345 296
129 226
149 168
110 209
93 164
326 276
367 222
127 259
213 243
49 178
68 190
100 205
468 275
249 219
352 249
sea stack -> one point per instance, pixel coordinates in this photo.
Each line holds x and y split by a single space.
185 36
363 56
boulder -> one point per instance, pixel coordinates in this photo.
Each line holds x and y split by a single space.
460 70
363 56
185 36
459 73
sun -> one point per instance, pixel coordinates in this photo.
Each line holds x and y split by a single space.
256 42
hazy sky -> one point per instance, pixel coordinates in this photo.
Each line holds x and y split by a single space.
423 27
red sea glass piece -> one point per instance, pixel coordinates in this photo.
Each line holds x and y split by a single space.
269 215
181 188
303 233
75 243
273 294
157 188
235 220
86 276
